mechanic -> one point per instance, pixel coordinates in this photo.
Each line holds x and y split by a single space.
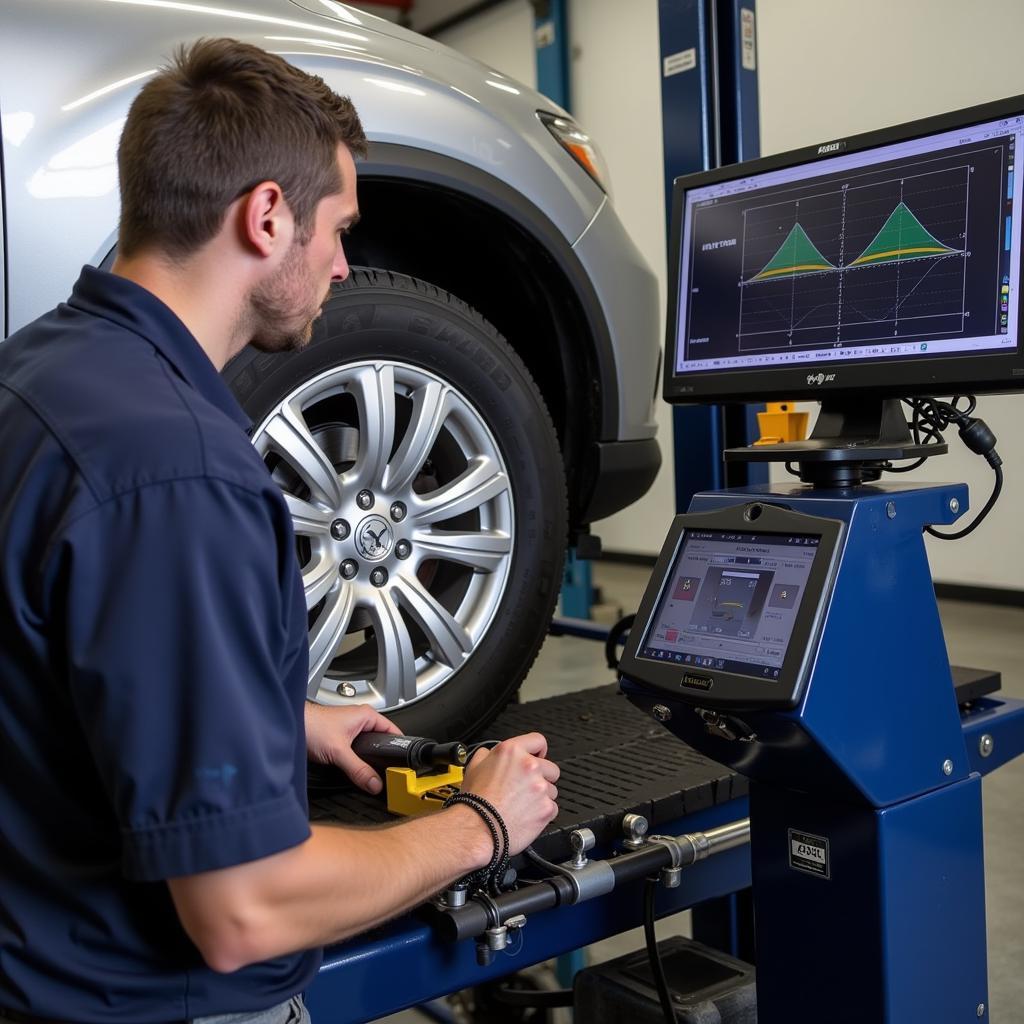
156 859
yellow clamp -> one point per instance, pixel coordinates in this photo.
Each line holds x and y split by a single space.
780 422
410 794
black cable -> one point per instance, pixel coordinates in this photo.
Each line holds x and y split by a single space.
657 968
930 418
615 637
551 868
973 525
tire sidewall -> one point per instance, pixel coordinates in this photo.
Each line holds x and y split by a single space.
390 318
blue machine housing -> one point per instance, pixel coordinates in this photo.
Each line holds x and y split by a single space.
866 838
878 718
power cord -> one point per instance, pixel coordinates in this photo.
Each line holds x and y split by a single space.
930 418
657 967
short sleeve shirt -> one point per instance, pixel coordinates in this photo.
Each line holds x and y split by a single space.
153 663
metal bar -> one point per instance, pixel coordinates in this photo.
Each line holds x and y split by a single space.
993 732
406 962
583 628
472 919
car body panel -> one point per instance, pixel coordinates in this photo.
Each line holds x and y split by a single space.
70 68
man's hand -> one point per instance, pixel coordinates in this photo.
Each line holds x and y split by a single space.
518 779
329 735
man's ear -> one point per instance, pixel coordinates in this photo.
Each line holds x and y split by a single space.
266 223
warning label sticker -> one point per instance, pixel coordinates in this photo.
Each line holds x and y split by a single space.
808 853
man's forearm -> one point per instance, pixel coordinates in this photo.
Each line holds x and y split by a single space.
341 881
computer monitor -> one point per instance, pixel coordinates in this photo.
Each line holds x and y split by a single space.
886 264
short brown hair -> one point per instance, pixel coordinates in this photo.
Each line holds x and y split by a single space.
222 117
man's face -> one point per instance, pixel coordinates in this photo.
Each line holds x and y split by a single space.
284 307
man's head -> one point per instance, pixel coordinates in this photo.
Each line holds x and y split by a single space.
229 128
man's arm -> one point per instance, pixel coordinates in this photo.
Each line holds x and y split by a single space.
342 881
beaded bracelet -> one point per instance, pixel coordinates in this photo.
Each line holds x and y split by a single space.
488 877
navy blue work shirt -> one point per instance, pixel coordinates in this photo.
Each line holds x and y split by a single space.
153 663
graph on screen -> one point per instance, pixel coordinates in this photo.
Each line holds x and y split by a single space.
876 258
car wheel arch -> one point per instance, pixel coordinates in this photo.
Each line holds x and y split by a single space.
420 207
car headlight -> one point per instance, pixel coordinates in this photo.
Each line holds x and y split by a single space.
579 145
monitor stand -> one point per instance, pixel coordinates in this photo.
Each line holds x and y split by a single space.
851 442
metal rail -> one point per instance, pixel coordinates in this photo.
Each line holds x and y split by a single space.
576 883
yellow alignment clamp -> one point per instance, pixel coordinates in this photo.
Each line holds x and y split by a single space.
779 422
409 794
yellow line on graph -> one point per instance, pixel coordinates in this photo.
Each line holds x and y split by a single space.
792 270
898 252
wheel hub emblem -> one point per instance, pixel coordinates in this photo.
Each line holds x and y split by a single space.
374 538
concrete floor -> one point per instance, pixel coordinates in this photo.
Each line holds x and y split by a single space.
980 636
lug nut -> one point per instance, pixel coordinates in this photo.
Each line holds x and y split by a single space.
340 529
348 569
398 511
364 499
379 576
403 549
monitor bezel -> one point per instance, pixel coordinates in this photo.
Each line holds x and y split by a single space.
892 378
733 690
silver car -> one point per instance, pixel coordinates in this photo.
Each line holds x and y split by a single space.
478 391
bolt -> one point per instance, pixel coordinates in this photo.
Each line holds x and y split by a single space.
661 713
954 505
947 767
398 511
981 1010
348 569
340 529
364 499
379 576
890 509
403 549
346 690
986 745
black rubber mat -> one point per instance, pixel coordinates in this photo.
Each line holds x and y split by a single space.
614 760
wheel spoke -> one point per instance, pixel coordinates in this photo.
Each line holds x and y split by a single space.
292 440
318 577
307 519
373 388
485 550
430 407
449 642
328 633
396 665
481 482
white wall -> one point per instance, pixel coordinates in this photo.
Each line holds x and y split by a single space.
829 69
616 97
501 37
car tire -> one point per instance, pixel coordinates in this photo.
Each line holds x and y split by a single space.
408 418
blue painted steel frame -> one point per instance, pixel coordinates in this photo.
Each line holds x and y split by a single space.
552 47
709 117
406 963
878 770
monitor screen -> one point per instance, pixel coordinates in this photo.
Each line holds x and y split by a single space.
730 602
894 263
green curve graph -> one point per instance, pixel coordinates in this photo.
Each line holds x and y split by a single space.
901 237
797 255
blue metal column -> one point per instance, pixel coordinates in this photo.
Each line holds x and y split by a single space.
551 39
709 117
